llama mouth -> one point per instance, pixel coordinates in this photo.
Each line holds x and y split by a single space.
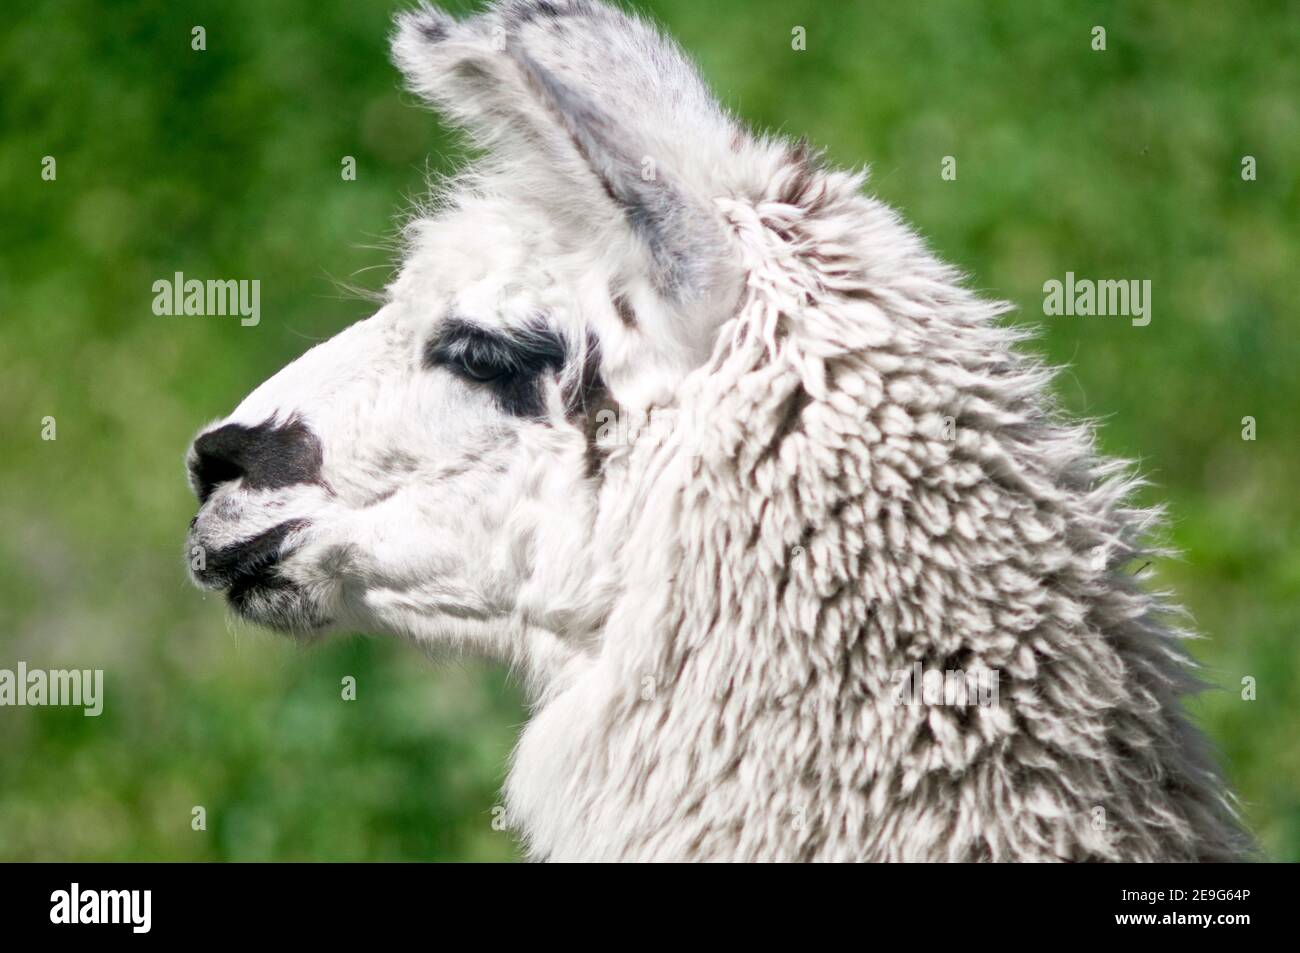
250 566
258 579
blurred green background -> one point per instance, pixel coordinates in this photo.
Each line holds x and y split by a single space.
226 163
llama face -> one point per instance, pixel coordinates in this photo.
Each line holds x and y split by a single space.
424 471
433 470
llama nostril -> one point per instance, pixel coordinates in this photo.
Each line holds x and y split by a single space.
215 460
266 456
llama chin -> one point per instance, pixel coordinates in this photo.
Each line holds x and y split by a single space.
852 472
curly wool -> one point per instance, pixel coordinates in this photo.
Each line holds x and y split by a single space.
874 477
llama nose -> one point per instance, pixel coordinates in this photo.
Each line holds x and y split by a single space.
266 457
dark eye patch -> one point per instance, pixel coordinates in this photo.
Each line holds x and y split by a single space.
508 362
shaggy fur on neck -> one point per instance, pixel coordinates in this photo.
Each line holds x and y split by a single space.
821 527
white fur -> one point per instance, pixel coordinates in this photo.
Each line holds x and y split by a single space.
709 624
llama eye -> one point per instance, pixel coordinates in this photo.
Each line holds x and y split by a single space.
480 370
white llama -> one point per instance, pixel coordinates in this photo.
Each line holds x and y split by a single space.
852 478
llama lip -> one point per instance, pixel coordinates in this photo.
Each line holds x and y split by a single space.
261 579
247 566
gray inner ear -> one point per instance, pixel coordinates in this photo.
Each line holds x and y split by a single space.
684 238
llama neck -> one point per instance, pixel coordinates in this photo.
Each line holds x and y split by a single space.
876 482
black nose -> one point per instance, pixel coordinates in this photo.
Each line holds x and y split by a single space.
265 457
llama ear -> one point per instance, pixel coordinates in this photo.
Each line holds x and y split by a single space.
559 89
682 236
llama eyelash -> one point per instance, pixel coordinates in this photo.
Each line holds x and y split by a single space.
508 362
525 350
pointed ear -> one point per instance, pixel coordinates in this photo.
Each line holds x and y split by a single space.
683 235
577 97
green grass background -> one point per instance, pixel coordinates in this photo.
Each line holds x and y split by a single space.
225 163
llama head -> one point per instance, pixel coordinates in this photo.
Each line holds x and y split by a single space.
432 471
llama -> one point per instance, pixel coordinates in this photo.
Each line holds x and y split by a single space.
844 477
